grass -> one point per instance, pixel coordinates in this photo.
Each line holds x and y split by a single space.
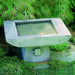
11 65
14 66
29 9
60 47
58 68
63 68
72 40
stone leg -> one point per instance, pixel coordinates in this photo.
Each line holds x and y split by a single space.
36 54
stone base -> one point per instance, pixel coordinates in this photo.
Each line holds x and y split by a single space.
41 65
28 54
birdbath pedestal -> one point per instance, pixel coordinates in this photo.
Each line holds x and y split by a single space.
35 36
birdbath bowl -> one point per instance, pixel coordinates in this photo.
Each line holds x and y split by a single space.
35 36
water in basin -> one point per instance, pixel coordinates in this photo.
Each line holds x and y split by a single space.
37 28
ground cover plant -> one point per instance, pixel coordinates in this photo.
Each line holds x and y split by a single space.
72 40
14 66
2 52
60 47
72 24
58 68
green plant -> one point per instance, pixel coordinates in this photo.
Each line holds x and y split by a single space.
11 69
55 64
2 52
27 9
72 3
60 47
14 66
61 63
57 8
73 27
6 59
73 62
44 72
27 68
52 64
72 67
59 67
15 9
72 40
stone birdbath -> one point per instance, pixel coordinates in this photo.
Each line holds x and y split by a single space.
35 36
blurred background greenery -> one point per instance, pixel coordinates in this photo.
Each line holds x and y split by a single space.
34 9
30 9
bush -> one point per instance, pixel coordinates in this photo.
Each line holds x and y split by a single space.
27 9
72 40
56 64
73 27
14 66
15 10
72 3
52 9
2 52
11 69
60 47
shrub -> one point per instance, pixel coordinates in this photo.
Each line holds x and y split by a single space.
56 64
26 9
56 8
73 62
72 3
73 27
11 69
72 40
7 59
14 66
15 10
60 47
2 52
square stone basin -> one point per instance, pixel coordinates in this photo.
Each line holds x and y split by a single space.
36 32
35 28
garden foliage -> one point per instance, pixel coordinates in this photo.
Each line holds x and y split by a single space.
60 47
28 9
2 52
58 68
14 66
72 40
72 25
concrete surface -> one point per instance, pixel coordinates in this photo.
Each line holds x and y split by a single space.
68 56
12 37
29 55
